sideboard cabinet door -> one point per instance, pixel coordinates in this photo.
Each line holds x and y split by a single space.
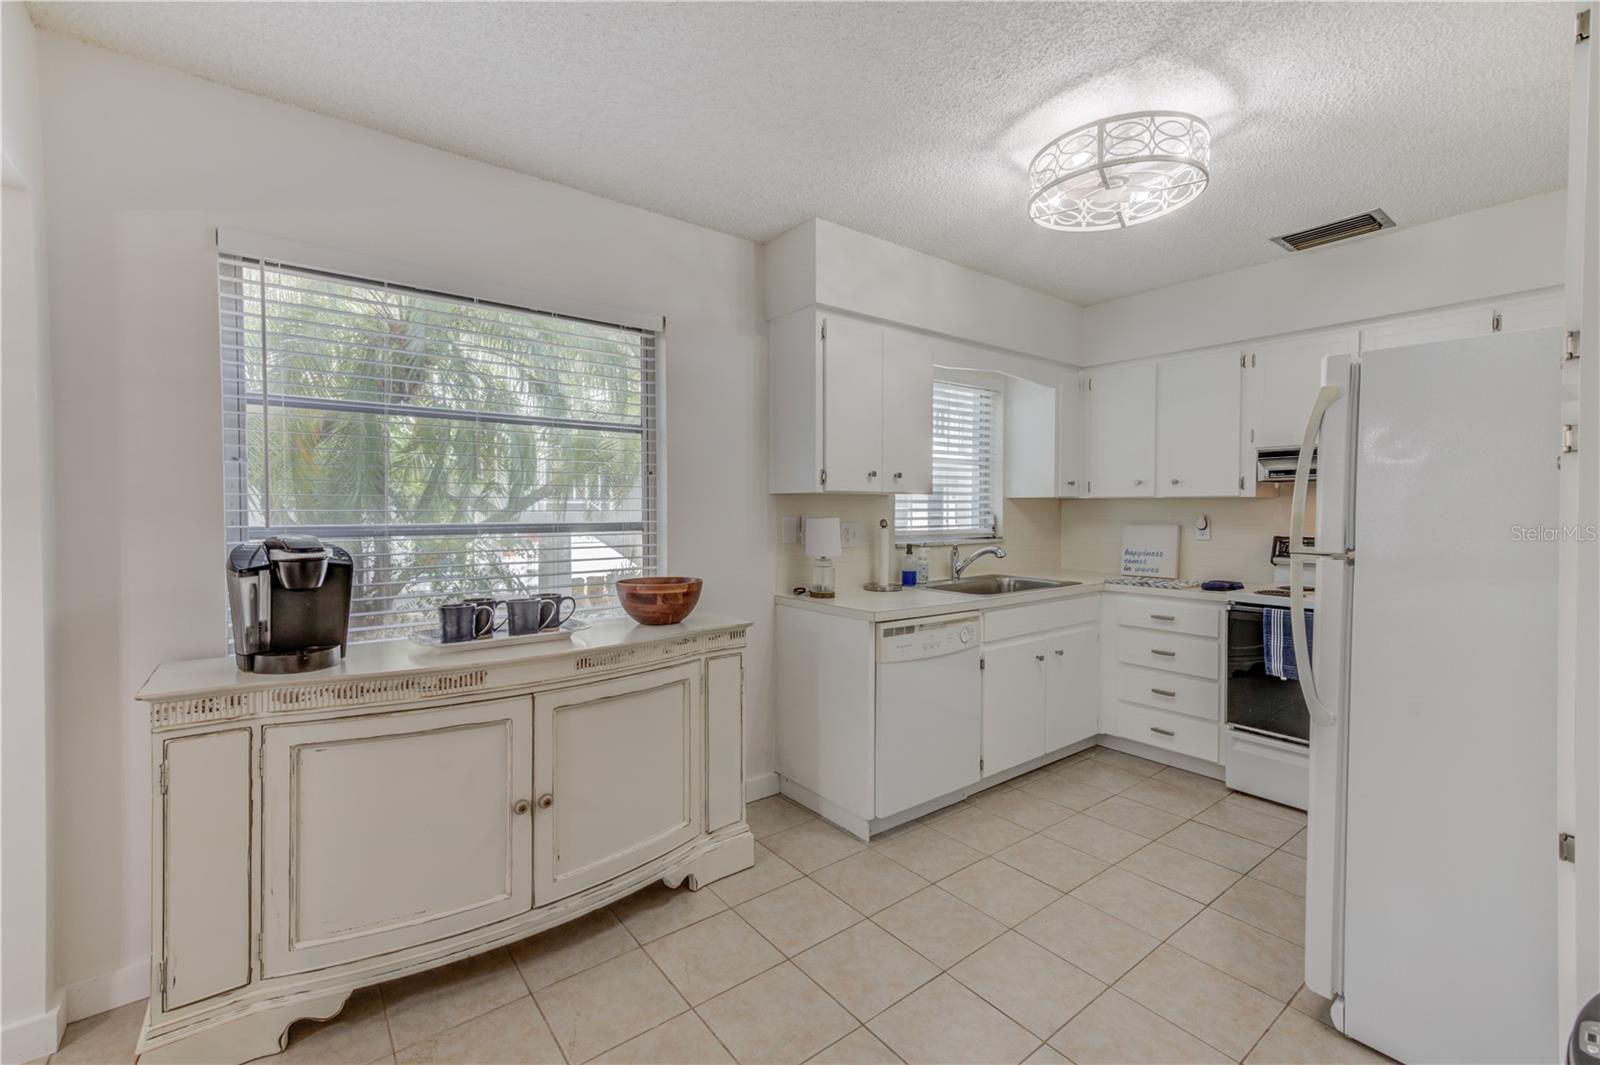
618 771
386 831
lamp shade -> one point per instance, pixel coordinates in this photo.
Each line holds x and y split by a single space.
822 537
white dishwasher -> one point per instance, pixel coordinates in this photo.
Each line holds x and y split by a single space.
930 710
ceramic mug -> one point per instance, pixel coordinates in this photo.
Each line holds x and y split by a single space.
550 616
460 622
524 617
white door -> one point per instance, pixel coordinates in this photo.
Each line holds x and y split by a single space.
1072 687
907 412
1280 385
1069 434
1013 703
617 772
852 406
386 831
1197 425
1120 419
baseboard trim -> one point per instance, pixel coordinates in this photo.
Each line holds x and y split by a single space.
108 991
760 786
1194 765
33 1037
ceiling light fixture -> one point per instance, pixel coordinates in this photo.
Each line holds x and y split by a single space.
1120 171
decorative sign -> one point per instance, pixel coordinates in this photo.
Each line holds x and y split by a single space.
1150 550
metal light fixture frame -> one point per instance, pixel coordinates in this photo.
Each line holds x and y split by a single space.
1186 138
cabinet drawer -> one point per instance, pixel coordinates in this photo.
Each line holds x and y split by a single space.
1170 615
1175 732
1169 691
1006 622
1168 652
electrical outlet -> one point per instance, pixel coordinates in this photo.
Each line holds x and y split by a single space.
1202 527
850 534
789 531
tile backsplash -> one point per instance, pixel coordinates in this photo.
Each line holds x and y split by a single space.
1241 533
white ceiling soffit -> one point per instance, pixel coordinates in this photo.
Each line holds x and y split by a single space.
916 122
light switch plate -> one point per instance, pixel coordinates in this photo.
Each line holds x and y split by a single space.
789 531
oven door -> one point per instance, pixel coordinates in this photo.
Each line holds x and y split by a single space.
1257 701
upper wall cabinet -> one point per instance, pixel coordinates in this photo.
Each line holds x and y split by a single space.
1197 425
1458 323
1120 430
1069 434
1281 380
850 406
1031 454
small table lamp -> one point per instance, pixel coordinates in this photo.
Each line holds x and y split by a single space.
822 544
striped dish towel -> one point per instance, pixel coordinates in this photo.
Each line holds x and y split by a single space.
1277 639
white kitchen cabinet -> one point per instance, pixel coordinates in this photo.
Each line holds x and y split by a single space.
349 805
1072 687
1538 311
1069 434
1197 425
1030 427
1457 323
850 406
1281 379
1120 430
1014 694
907 412
617 775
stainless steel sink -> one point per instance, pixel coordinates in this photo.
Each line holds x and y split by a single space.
997 584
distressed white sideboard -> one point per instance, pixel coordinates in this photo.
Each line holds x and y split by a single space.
318 833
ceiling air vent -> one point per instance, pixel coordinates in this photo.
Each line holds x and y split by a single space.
1331 232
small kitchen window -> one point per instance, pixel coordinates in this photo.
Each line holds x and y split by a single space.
453 446
964 502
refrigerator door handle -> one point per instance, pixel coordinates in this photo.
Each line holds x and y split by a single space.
1327 396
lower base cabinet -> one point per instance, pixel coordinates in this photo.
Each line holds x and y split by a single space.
316 836
1040 694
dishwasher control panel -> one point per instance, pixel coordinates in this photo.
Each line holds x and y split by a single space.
906 641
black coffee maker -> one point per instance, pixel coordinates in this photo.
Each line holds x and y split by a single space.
290 599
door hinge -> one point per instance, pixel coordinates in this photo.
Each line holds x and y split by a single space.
261 954
1091 384
1494 323
1252 436
1252 360
1582 32
1569 439
164 766
1241 360
980 765
161 975
824 476
1572 345
1088 487
1567 847
1241 484
983 663
824 329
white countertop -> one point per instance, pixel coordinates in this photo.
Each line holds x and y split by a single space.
857 602
176 680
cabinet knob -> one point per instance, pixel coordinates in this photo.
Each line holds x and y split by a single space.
1061 654
1072 484
1138 482
519 807
871 474
1174 480
1039 657
546 801
897 475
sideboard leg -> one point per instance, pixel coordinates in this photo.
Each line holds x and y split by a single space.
731 855
239 1039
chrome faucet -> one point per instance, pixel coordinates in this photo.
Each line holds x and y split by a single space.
958 565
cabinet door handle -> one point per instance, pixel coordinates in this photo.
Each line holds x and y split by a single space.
1164 654
1163 731
1163 691
546 801
519 807
1162 617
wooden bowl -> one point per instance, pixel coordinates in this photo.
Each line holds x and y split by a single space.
659 600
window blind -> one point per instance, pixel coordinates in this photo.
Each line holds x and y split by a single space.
453 446
962 503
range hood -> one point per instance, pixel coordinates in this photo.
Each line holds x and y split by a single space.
1276 465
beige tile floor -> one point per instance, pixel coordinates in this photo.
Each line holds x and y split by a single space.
1102 910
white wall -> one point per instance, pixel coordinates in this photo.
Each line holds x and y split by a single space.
147 163
1510 248
28 1002
823 262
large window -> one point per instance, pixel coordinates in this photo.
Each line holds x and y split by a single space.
962 504
452 446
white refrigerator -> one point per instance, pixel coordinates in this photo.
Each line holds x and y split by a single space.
1431 877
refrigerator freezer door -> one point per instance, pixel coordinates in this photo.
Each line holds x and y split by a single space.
1449 893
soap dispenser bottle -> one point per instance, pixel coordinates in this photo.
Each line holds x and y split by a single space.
908 569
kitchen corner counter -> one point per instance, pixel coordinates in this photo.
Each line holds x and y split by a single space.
923 602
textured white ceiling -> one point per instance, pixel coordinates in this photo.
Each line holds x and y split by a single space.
915 122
